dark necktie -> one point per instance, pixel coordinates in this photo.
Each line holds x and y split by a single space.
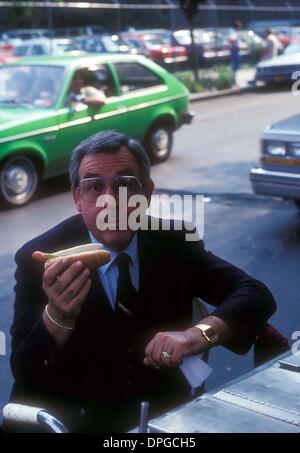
126 292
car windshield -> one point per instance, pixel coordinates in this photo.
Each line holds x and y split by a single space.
30 85
20 51
291 49
161 40
66 46
184 38
109 44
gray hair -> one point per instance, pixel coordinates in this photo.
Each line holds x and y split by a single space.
108 142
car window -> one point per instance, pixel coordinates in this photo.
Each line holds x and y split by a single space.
135 42
93 45
158 40
99 77
109 44
38 49
20 51
97 46
134 76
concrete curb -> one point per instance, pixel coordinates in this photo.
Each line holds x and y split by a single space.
195 97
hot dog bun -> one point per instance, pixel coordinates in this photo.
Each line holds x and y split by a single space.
92 255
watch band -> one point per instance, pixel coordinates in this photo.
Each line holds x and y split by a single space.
208 332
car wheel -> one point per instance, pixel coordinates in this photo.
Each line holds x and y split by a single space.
18 180
159 143
297 203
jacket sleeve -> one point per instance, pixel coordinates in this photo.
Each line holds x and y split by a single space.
242 301
34 356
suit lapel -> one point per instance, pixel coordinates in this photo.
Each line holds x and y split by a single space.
148 250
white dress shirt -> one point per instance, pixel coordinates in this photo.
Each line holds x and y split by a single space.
109 273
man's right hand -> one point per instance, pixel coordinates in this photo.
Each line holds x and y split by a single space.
66 286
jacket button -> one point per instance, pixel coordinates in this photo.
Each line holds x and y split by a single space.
82 412
46 363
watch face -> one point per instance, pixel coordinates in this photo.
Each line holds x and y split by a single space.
209 333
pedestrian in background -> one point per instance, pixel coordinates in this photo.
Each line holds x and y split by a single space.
273 45
234 39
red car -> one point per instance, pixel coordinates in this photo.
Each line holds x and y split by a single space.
157 47
4 58
5 50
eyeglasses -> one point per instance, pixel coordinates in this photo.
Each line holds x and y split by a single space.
91 188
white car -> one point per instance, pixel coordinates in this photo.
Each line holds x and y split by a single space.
36 47
281 68
278 174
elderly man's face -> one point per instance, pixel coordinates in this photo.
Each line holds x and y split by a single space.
108 166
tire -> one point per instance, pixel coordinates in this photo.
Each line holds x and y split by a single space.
18 181
159 142
297 203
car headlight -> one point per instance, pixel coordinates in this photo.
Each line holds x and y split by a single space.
275 149
295 149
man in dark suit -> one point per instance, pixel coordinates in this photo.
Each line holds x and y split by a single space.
90 345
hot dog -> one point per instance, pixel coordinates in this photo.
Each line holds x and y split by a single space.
92 255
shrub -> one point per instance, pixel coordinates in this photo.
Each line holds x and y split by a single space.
217 78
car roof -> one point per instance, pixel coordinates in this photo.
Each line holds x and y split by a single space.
73 61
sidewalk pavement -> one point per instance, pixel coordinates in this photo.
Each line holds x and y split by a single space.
243 77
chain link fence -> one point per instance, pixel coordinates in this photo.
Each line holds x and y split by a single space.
115 16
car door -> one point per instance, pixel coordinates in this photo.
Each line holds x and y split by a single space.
142 91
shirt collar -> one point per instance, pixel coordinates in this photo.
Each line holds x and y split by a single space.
131 250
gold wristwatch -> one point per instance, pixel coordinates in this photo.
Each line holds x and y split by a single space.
208 332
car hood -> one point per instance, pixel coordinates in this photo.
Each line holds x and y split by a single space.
282 60
289 124
12 117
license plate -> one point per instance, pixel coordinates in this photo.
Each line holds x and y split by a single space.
279 79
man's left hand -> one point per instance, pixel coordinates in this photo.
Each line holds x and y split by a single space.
177 344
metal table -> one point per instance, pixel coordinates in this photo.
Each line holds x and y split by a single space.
264 400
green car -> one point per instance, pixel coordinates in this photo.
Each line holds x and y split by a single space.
43 119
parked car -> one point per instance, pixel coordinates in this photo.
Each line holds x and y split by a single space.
103 43
96 43
71 32
255 42
7 58
124 46
279 172
281 68
208 47
284 34
41 123
157 46
35 47
66 45
21 35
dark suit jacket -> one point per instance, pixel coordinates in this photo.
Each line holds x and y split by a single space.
100 370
